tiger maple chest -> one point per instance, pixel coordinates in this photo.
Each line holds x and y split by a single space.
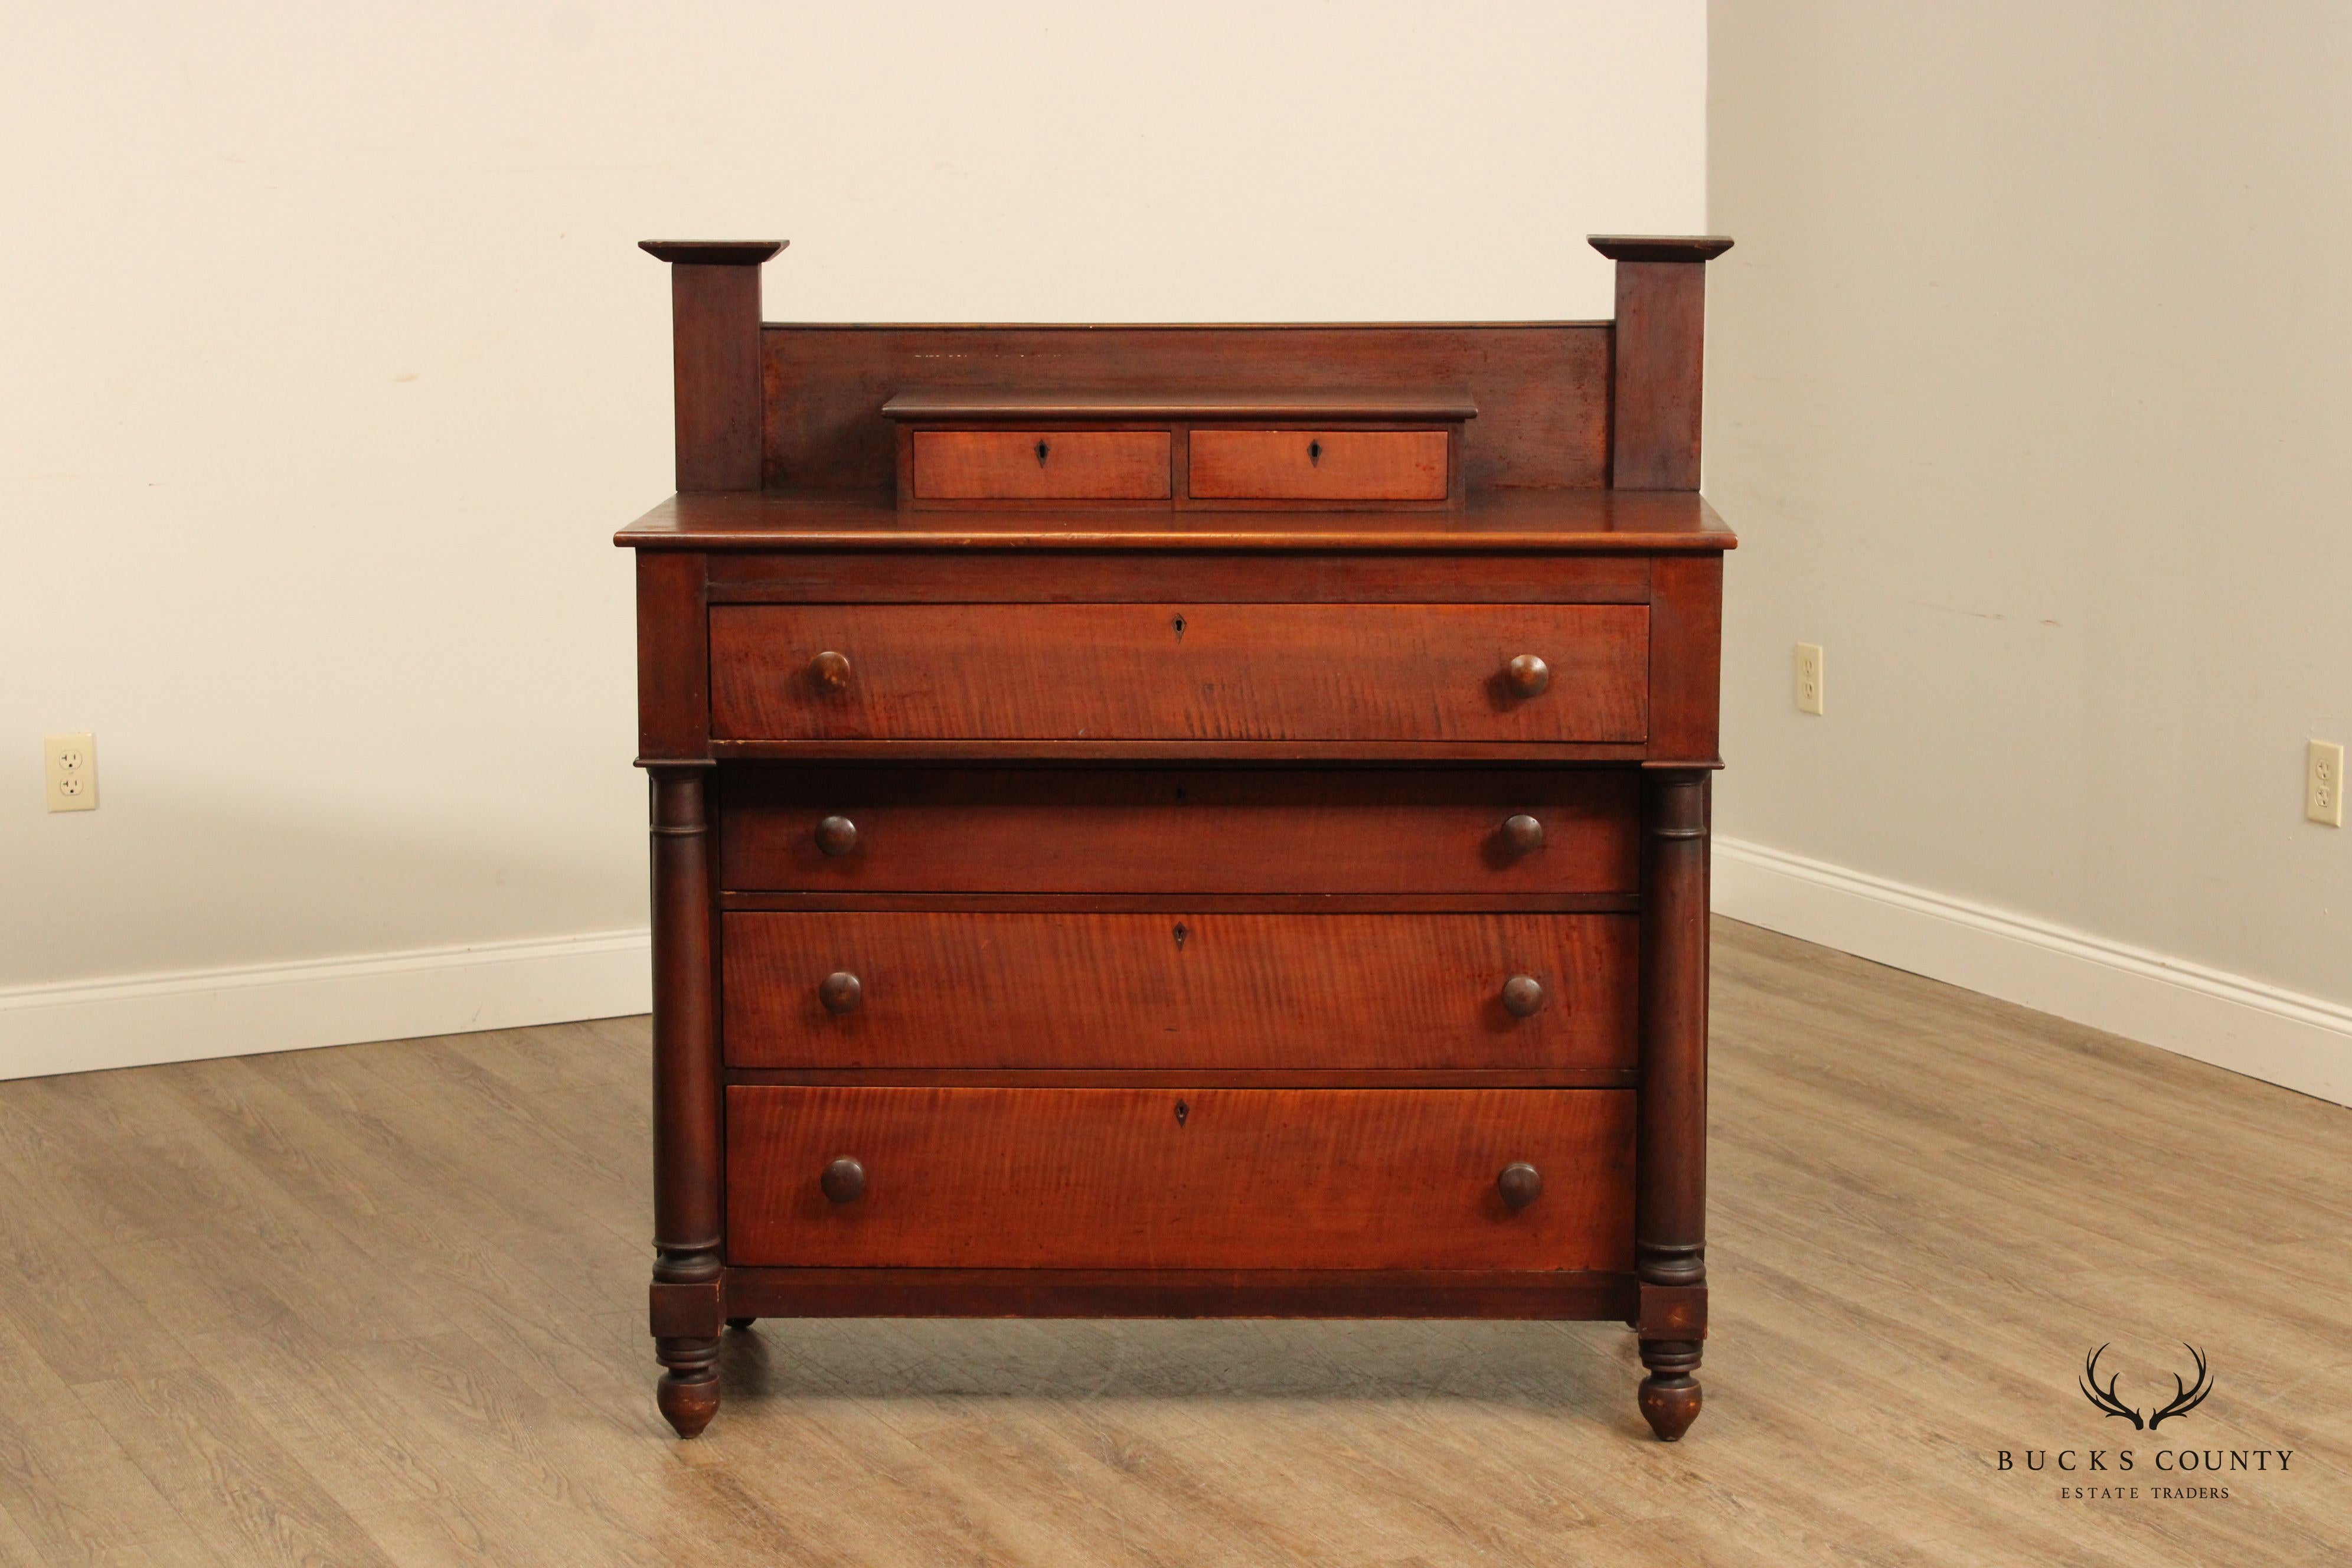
1189 821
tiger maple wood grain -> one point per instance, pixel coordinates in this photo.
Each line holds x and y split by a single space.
1235 672
1319 465
1075 465
1302 991
1111 1178
1291 830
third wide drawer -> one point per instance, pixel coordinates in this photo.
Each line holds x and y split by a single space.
1170 990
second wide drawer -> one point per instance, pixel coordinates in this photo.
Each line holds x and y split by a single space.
1183 830
1235 992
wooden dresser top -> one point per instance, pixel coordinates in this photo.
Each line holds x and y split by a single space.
1555 520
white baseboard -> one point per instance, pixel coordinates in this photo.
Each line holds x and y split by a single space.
138 1019
2263 1031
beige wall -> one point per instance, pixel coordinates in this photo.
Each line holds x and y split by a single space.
333 366
2030 385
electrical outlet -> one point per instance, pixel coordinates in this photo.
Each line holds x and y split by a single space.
72 772
2322 783
1809 677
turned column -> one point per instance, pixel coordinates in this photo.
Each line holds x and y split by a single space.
686 1286
1669 1159
714 334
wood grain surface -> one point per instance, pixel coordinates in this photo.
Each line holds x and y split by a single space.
1581 521
830 1292
1210 1178
1007 464
1541 388
1237 672
385 1303
1299 992
1177 831
1656 409
1001 404
967 577
715 330
1319 465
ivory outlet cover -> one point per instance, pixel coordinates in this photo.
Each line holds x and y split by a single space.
72 771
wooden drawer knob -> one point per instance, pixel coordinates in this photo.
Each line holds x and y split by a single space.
836 836
1529 676
1520 1185
1523 997
843 1181
840 992
1522 835
830 672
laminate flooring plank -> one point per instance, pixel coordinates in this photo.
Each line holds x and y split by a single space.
1323 1472
1044 1453
60 1296
1048 1482
533 1127
455 1193
150 1160
311 1394
71 1490
387 1197
16 1548
224 1476
32 1394
592 1483
544 1511
898 1510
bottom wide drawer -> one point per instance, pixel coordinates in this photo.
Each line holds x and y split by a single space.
1156 1178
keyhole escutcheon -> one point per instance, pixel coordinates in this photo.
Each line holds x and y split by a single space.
1043 451
1315 453
1183 1111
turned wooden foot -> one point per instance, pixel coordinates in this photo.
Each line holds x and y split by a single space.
741 1322
1670 1404
1670 1395
688 1391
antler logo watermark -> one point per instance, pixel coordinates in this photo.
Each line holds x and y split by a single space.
2185 1397
2120 1476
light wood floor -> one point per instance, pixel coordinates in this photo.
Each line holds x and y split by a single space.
385 1304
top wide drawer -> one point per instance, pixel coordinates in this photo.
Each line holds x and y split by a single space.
1498 673
1041 464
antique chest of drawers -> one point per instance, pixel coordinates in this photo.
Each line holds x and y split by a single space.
1189 821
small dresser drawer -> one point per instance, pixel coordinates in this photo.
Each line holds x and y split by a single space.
1179 830
1205 672
1319 465
1211 1178
1176 991
1041 464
